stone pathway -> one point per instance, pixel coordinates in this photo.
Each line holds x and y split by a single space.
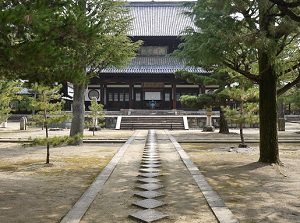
150 171
147 181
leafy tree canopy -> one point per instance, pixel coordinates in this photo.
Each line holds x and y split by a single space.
68 40
230 33
252 38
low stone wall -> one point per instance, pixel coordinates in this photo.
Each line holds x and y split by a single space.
200 121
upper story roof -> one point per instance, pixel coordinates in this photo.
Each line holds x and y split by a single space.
155 65
158 18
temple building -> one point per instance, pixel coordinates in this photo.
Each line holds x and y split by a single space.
149 81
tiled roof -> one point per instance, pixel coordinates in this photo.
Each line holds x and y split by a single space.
158 19
155 65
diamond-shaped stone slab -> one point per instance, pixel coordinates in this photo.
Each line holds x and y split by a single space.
150 156
149 194
150 165
149 203
150 150
150 186
150 162
150 170
148 180
151 159
150 175
148 215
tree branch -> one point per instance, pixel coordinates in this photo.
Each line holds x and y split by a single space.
288 86
296 66
285 8
286 4
245 73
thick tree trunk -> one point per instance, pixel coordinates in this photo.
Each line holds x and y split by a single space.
77 125
223 123
269 152
268 143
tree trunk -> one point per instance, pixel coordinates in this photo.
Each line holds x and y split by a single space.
48 145
269 152
48 154
47 136
77 125
223 123
242 145
268 139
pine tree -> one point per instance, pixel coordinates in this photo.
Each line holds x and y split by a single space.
96 115
48 106
65 41
252 38
208 100
8 93
247 110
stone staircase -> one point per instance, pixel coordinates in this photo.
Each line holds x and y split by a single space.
152 122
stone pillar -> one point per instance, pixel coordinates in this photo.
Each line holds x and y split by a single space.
208 127
23 123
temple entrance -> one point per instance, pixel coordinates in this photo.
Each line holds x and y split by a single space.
152 99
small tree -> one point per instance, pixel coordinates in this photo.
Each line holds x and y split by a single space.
247 109
8 93
220 78
96 115
48 105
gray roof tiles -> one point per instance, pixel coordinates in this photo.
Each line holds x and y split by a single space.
158 19
155 65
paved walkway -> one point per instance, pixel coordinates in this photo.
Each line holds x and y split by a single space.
188 197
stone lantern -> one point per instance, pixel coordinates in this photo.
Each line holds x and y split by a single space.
209 127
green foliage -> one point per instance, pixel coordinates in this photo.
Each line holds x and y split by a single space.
8 93
48 41
64 41
96 115
55 141
219 77
246 113
47 104
293 99
206 100
234 33
247 110
254 39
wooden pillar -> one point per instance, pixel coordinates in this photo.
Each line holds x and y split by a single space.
131 87
101 94
174 95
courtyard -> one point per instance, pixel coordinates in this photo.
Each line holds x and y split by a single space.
32 191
